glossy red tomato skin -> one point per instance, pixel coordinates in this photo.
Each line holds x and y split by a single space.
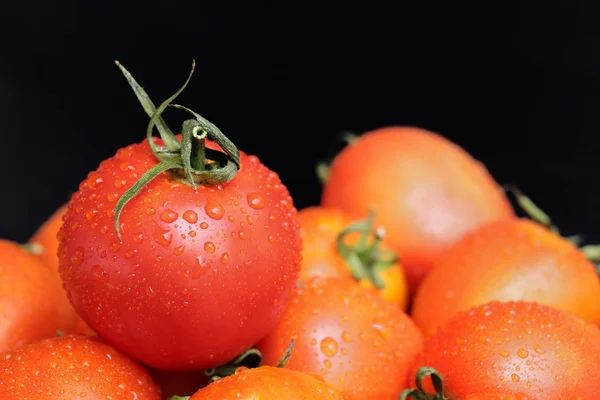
72 367
515 347
198 277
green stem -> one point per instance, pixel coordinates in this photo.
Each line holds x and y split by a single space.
33 248
188 161
420 393
364 259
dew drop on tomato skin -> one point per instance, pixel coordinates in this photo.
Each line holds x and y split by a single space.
214 209
255 201
190 216
169 216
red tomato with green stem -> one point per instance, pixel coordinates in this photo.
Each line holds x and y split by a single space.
181 252
73 367
359 343
514 348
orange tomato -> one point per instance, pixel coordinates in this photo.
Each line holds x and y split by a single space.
30 305
44 244
371 262
268 383
508 260
426 191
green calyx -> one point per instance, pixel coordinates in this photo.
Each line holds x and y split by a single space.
365 258
420 393
249 359
188 161
591 251
323 168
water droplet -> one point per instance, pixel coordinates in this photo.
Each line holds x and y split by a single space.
503 353
162 236
169 216
249 219
522 353
119 183
327 363
192 233
150 291
224 258
190 216
538 349
214 209
91 214
138 237
271 238
230 218
179 250
382 330
130 253
209 247
242 235
255 201
147 200
363 336
115 246
329 346
124 166
515 378
150 211
199 268
203 225
271 218
346 336
78 256
99 273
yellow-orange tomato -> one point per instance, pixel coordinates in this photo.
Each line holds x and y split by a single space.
30 305
319 229
44 243
426 191
515 259
268 383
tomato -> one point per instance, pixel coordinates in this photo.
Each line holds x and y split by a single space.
72 367
44 243
323 232
181 256
359 343
514 259
268 383
515 347
30 303
427 192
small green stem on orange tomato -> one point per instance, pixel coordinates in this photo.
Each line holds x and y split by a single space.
420 393
365 259
186 161
322 169
33 248
180 398
285 358
250 359
531 209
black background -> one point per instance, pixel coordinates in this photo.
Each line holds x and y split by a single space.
517 85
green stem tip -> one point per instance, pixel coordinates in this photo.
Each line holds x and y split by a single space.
420 393
365 258
189 161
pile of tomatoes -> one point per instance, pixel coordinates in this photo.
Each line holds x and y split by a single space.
181 269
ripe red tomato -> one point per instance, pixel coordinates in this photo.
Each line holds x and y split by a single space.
426 191
515 347
31 301
514 259
72 367
359 343
268 383
369 263
198 275
44 244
